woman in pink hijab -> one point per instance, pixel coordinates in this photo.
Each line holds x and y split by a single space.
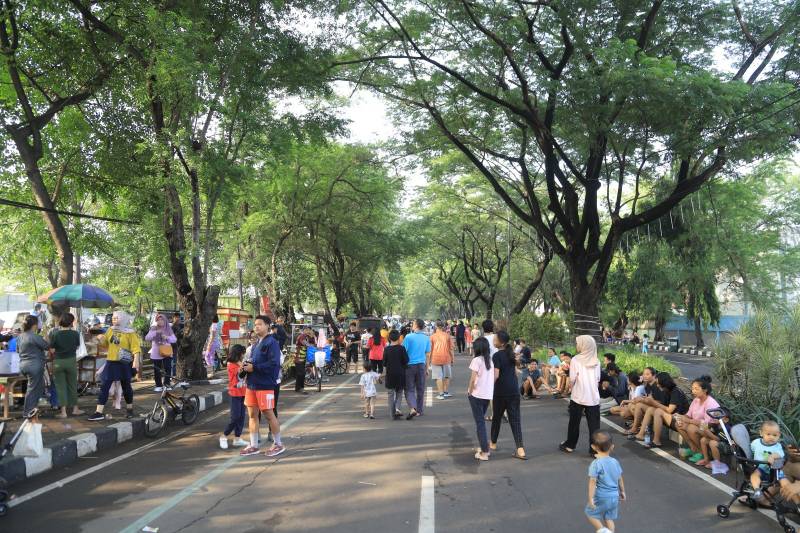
584 374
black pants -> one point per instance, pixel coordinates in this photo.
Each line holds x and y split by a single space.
510 406
576 411
299 376
277 393
460 344
376 365
238 414
162 368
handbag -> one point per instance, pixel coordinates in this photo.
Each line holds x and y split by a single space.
125 356
30 442
165 350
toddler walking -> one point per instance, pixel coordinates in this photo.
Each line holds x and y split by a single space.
606 486
236 390
368 392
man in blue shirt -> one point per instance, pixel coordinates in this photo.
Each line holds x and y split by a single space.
418 346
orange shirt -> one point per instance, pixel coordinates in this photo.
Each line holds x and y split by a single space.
440 348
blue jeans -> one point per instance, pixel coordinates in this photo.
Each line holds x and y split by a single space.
479 407
236 424
415 386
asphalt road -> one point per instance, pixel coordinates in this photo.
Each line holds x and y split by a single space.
692 366
344 473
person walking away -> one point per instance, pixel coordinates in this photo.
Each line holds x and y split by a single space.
505 398
123 345
161 338
606 486
584 375
366 335
304 340
468 337
367 383
645 341
65 341
441 360
418 346
395 360
479 391
32 350
352 341
213 344
262 374
236 393
461 332
376 345
488 334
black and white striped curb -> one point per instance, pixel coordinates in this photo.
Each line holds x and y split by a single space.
692 350
661 347
67 451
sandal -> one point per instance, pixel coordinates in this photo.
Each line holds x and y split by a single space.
653 445
479 456
520 457
564 448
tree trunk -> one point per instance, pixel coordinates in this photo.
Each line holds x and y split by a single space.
324 297
585 298
698 332
532 286
661 323
52 221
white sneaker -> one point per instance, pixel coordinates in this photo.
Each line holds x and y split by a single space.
158 389
240 443
440 396
223 443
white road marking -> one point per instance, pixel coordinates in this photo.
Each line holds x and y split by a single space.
60 483
427 509
429 397
697 473
171 503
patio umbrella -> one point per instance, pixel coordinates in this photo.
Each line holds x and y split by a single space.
78 295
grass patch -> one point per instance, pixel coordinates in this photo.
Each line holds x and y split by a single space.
626 359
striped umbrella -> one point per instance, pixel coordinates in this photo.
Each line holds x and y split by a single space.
78 295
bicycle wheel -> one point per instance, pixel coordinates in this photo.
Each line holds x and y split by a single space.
319 381
329 369
310 380
341 366
155 420
188 412
195 399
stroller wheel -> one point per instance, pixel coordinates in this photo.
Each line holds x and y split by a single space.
723 511
3 509
3 496
788 529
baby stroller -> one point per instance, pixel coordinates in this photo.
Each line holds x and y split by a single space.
5 450
739 441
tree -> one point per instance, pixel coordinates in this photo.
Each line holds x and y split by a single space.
569 109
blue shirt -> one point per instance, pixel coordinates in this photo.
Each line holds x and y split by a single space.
554 360
607 471
417 345
266 359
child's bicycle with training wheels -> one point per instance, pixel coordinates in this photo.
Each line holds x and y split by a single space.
186 407
5 450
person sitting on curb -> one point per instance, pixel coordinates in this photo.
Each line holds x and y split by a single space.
694 426
635 390
550 367
532 380
654 397
677 404
563 385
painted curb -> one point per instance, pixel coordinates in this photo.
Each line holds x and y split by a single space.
67 451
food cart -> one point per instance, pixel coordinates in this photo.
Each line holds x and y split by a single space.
235 325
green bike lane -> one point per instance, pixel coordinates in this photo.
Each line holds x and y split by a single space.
342 472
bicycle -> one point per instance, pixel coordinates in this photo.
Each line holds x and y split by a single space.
5 450
186 407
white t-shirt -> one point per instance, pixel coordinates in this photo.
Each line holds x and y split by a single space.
484 384
585 383
490 337
367 382
639 392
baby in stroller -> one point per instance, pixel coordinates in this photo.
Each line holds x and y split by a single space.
761 464
770 451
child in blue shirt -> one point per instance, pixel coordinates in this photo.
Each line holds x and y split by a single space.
606 486
767 448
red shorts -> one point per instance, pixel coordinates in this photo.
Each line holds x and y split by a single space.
263 399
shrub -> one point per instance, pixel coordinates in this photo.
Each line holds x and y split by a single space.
757 371
537 330
626 361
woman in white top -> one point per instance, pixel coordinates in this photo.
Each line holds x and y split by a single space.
480 391
584 375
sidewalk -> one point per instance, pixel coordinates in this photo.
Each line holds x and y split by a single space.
65 440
